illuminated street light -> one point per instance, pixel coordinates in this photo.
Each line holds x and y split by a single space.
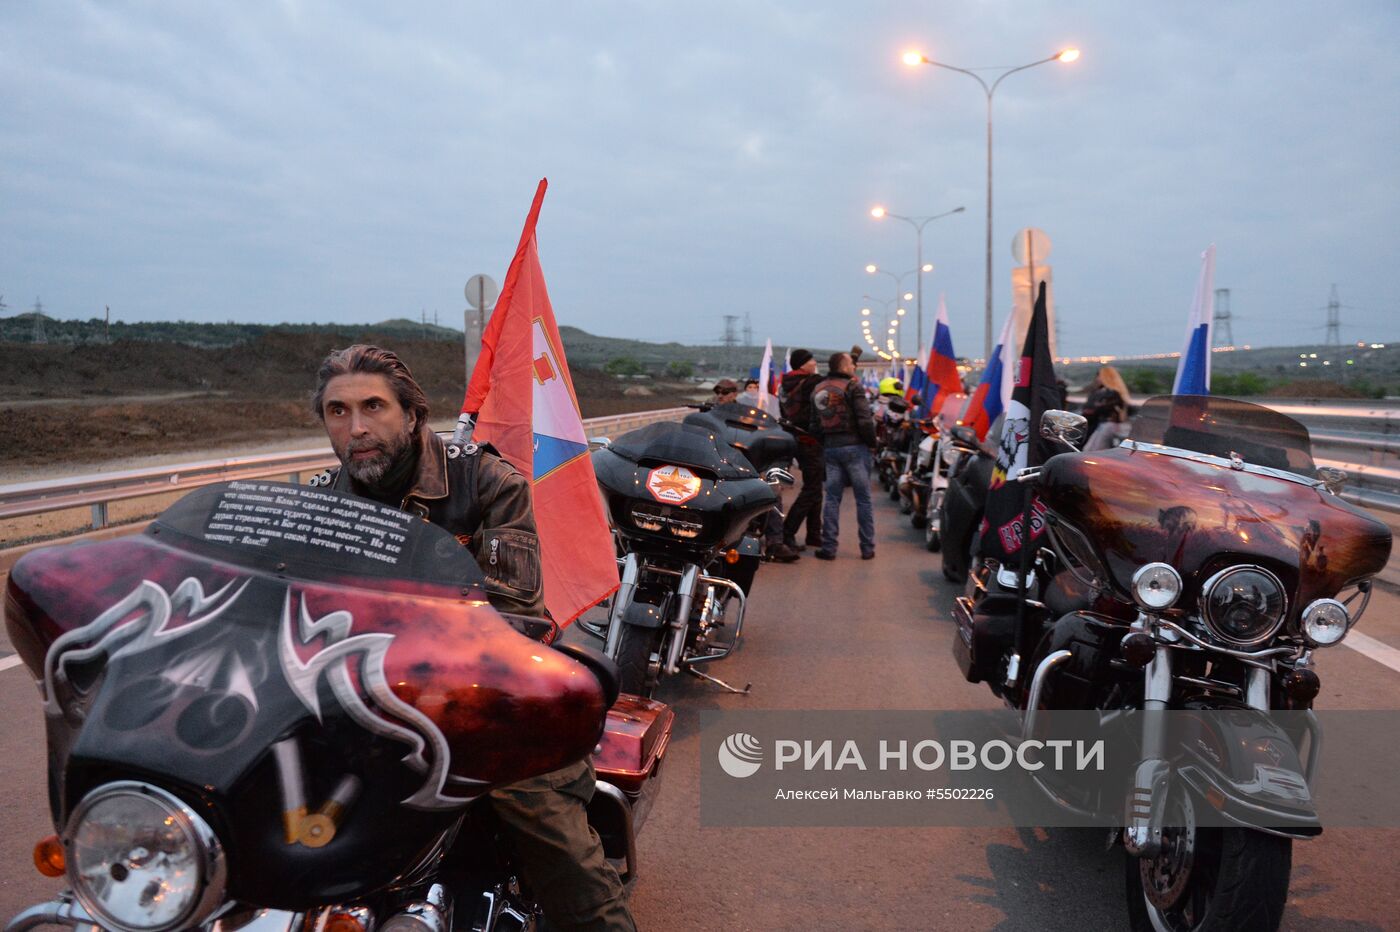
914 58
918 223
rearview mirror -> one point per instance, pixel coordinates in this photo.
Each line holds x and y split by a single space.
1333 478
1064 426
599 443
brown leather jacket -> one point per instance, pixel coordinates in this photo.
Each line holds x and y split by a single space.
473 494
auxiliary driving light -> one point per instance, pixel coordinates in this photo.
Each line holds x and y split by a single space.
1325 622
1156 587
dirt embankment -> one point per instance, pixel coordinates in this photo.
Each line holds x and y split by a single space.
94 403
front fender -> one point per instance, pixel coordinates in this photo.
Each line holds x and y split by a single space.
1245 766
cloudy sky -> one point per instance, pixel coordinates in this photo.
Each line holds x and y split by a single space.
317 161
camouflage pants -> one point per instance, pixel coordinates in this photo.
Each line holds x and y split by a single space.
546 820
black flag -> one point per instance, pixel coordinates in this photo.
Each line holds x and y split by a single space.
1021 445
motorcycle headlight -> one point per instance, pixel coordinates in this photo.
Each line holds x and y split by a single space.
140 860
1325 622
1156 587
1243 605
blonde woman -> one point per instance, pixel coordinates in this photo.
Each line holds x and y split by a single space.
1107 409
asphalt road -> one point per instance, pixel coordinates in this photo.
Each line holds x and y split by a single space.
855 635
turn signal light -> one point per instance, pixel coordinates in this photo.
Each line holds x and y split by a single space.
48 857
731 556
344 921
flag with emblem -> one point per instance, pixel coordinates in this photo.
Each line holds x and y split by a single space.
1021 445
524 404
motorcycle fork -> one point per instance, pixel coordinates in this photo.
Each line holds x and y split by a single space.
1146 805
631 569
685 596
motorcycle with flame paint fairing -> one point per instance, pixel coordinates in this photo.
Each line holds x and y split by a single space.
278 708
687 501
1192 571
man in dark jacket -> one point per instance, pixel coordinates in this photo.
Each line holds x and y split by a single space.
841 418
377 419
795 400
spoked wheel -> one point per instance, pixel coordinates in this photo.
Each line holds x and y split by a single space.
1208 879
639 659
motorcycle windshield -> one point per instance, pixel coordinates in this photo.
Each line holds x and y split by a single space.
1225 427
263 635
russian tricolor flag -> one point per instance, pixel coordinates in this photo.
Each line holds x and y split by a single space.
1193 369
942 370
988 400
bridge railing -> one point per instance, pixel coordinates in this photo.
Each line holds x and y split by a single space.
99 490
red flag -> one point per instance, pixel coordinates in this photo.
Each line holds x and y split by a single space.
525 404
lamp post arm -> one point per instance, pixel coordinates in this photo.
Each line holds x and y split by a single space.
971 74
1006 74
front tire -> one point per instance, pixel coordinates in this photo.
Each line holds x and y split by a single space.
1209 879
637 673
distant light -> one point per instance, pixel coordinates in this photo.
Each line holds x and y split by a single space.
1068 55
909 296
1303 364
872 269
1312 355
1351 362
900 312
1327 362
877 212
865 312
914 58
1302 355
928 266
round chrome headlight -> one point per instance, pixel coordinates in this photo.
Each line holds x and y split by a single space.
1243 605
140 860
1325 622
1156 587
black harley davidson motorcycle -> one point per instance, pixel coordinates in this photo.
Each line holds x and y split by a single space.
1192 571
687 500
277 709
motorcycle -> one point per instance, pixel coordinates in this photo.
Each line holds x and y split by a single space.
958 511
892 441
687 501
1198 566
925 476
277 709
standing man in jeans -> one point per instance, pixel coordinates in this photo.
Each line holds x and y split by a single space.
795 398
841 418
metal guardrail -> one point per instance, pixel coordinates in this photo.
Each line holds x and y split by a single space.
99 490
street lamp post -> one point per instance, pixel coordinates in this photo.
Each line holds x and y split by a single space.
918 223
898 282
918 58
893 322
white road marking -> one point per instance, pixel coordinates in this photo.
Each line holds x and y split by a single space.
8 662
1378 651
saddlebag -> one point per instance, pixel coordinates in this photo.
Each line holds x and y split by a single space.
628 761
